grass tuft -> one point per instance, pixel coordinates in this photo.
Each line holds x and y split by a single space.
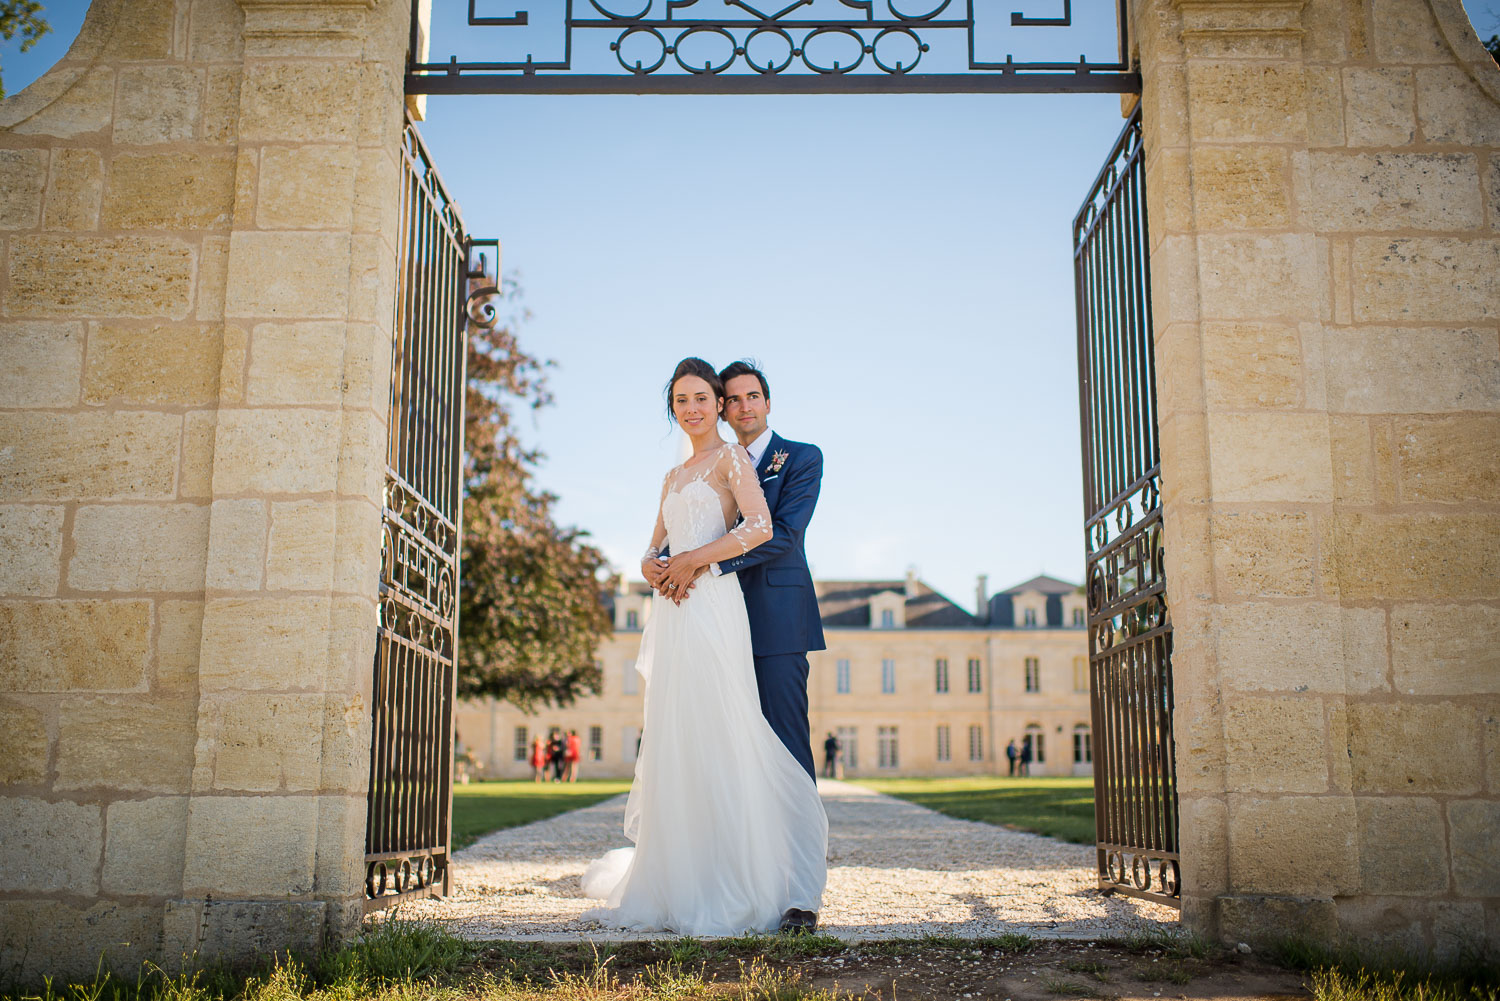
394 950
779 946
1093 967
1058 985
1175 942
668 981
1009 942
758 982
1334 984
686 950
1354 973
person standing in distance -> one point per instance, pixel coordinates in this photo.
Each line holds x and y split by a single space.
831 757
779 596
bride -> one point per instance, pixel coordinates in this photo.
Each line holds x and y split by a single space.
729 833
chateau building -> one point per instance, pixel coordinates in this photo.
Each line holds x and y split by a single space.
911 683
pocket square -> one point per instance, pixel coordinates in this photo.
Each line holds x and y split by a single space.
773 476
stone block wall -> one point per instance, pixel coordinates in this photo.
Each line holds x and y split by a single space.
197 229
1325 226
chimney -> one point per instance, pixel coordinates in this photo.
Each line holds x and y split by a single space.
982 599
911 582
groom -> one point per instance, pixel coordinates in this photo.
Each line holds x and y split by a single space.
778 588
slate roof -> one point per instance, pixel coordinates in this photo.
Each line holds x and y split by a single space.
1003 609
1044 584
845 604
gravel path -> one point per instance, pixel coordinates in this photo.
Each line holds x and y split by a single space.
895 870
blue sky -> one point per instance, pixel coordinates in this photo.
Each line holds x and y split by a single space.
900 265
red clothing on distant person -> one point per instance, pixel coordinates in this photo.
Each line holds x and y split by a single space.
538 754
575 748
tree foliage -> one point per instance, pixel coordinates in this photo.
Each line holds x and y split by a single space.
22 16
530 617
1494 46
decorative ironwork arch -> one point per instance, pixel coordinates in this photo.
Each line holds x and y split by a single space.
781 47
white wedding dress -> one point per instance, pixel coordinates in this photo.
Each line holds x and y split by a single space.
728 828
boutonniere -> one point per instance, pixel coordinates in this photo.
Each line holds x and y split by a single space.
778 459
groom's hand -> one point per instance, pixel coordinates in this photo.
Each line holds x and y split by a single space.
652 568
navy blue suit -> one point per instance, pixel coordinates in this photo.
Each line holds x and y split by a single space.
779 595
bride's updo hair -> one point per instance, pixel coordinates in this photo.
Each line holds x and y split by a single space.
704 371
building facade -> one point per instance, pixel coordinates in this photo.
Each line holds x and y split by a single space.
911 684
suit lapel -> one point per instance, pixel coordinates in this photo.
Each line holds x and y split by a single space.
763 468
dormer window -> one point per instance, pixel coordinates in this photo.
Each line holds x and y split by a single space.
1028 618
888 610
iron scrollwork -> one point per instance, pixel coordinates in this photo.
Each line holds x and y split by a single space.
1129 620
801 46
398 876
441 280
1141 873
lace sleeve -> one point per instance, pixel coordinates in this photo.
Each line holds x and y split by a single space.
740 477
659 533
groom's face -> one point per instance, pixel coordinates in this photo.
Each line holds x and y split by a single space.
745 407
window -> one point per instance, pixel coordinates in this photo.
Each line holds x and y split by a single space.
886 750
1037 740
887 619
599 688
630 743
849 747
1028 617
523 744
888 677
632 680
976 743
596 743
632 620
843 677
942 675
945 747
973 674
1078 617
1033 674
1083 745
1080 674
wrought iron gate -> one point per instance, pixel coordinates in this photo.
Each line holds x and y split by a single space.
1130 628
411 749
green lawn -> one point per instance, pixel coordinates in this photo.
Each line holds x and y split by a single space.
1061 808
482 807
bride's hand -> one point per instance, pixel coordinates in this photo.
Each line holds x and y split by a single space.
681 571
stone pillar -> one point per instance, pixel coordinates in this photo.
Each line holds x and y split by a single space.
1325 221
198 212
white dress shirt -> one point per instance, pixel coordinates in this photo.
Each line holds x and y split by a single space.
757 450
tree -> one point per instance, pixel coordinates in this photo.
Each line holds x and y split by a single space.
1494 46
530 615
23 16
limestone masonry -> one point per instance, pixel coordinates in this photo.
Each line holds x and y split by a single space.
197 213
197 241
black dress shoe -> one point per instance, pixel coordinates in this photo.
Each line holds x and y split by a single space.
798 922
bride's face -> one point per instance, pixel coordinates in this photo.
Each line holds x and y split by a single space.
694 405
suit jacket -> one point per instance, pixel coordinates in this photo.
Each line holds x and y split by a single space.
778 587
